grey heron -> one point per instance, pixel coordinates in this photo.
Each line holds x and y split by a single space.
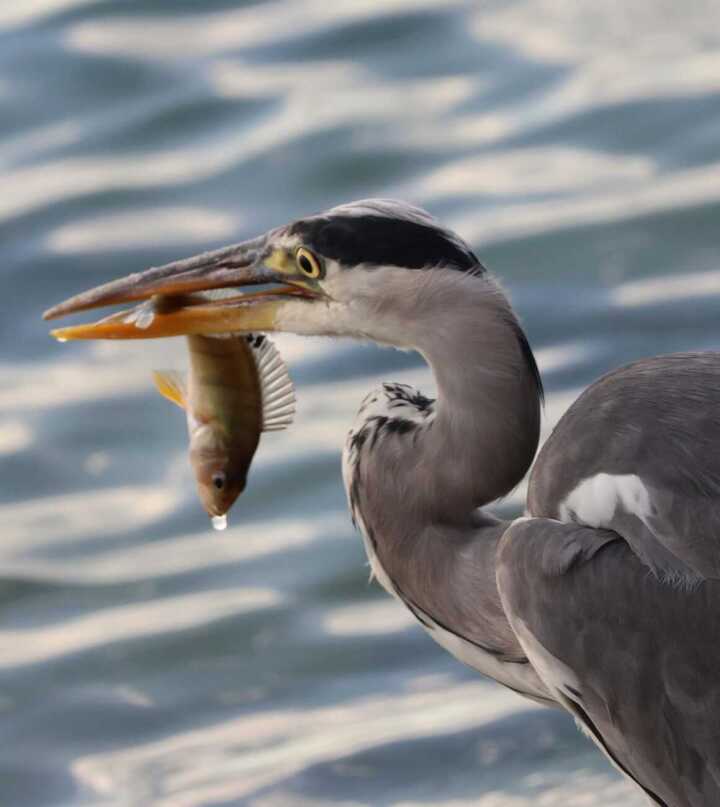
604 598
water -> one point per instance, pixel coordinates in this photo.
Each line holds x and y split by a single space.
146 659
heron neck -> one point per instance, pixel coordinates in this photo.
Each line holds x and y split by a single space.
417 492
486 427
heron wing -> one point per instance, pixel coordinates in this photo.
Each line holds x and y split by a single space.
634 659
637 453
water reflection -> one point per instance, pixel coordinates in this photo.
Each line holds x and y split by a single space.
15 436
148 660
144 619
249 753
144 228
44 520
208 34
658 290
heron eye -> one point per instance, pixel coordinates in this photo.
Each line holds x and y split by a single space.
219 480
307 263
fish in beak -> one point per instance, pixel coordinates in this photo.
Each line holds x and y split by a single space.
268 260
237 388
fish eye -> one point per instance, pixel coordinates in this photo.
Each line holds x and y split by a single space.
308 263
218 480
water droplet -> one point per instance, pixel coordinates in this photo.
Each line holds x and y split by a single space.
219 522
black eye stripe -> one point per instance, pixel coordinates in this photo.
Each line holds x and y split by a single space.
384 240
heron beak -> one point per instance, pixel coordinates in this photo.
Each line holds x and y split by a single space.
183 316
172 305
236 265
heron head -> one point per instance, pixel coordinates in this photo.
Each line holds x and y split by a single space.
367 269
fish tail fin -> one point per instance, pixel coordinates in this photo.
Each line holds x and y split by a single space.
276 387
171 385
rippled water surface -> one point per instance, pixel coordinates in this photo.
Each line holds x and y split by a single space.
146 660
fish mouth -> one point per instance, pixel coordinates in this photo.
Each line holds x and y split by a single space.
182 297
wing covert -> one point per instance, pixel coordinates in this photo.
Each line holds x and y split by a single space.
633 659
638 453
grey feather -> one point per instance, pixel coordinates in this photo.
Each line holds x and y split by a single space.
657 419
602 620
436 463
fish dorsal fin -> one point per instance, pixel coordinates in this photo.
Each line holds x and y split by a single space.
276 388
171 385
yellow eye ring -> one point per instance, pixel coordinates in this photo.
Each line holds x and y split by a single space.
307 263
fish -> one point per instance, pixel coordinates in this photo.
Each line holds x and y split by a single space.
237 387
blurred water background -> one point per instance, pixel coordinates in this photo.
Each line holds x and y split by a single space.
144 659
